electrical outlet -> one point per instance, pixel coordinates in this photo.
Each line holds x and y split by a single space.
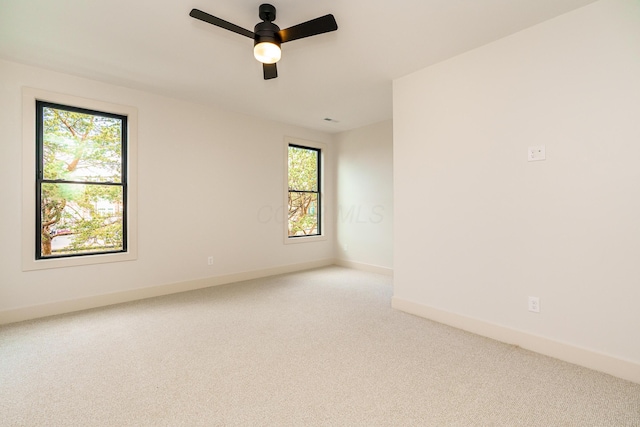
210 260
534 304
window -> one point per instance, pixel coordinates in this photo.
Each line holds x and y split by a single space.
81 181
304 191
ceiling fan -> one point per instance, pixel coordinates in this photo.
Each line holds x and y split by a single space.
267 36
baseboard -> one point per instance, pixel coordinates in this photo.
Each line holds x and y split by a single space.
364 267
68 306
611 365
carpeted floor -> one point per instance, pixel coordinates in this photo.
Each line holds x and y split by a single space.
316 348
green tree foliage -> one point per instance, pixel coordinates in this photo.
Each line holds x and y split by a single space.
303 191
81 152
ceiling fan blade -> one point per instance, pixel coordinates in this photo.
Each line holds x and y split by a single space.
203 16
324 24
270 71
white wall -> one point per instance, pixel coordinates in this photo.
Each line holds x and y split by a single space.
478 228
210 183
365 197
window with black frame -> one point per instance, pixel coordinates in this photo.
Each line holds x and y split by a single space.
81 181
304 198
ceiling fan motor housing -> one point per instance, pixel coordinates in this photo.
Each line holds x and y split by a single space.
267 32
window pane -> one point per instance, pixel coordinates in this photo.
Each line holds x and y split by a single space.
303 214
81 147
303 169
80 219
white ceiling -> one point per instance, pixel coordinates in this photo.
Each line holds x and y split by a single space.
345 75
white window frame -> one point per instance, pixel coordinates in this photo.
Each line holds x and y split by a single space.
323 232
29 261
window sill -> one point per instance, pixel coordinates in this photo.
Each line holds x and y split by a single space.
303 239
44 264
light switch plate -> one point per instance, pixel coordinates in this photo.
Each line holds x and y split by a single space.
536 153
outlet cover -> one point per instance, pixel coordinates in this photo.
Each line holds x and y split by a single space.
534 304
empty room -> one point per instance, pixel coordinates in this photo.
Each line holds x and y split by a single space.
234 213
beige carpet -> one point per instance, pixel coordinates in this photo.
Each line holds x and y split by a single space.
317 348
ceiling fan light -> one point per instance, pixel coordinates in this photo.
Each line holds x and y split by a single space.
267 52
